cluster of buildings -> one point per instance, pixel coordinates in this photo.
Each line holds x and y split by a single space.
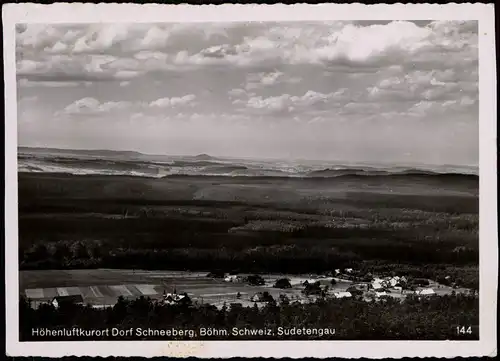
388 286
396 282
233 278
168 298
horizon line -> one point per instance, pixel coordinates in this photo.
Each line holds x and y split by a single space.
247 157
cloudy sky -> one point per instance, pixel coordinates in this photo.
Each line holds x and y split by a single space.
353 91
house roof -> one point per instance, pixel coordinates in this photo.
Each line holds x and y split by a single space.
342 294
71 298
427 291
174 296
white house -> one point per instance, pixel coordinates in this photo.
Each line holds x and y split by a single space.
311 281
348 270
258 297
71 299
337 271
232 278
380 294
376 285
342 294
173 298
394 281
426 292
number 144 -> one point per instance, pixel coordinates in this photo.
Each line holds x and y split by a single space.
462 330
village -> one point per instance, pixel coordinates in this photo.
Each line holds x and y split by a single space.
221 288
343 283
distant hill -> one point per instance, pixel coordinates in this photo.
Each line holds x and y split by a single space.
204 157
89 152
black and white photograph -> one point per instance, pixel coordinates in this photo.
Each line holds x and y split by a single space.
252 180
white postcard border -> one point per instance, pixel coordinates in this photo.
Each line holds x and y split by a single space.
87 13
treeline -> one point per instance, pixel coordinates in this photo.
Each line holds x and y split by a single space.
295 256
289 259
434 318
96 254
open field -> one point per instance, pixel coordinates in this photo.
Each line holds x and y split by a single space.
104 286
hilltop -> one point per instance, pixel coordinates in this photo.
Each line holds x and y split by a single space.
204 157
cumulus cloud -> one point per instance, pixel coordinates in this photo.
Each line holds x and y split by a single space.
162 46
236 92
174 101
59 68
92 106
427 108
42 47
424 85
25 83
398 42
259 80
291 103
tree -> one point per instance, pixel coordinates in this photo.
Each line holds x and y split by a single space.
312 289
216 274
38 252
421 282
267 297
282 283
80 251
284 300
62 252
120 309
255 280
354 291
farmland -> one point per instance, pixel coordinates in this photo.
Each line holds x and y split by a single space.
43 285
